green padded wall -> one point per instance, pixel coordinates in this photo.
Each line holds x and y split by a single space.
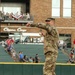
34 69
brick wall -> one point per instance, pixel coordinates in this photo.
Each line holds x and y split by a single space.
41 9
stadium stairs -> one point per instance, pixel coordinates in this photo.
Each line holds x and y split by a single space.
30 50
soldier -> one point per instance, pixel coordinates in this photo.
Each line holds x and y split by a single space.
50 45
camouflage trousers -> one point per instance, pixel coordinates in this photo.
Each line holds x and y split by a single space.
50 61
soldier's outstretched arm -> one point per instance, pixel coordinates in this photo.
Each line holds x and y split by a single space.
45 26
39 25
42 26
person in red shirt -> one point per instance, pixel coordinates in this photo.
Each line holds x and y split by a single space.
74 43
71 56
9 43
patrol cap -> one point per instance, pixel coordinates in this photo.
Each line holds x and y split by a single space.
49 19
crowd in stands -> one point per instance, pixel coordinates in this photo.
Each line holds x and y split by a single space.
70 54
24 58
20 57
16 16
62 45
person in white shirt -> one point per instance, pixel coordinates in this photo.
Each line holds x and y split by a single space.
14 55
28 16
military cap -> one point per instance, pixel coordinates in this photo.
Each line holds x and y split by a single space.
49 19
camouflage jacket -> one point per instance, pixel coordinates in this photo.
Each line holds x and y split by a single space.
51 37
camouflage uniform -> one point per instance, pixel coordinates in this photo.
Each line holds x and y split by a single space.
50 47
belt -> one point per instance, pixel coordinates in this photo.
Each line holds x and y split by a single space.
48 52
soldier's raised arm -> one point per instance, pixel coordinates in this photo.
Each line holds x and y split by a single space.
40 25
46 26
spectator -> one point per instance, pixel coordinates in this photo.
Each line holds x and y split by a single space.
28 16
31 17
31 59
3 43
7 16
26 58
0 13
37 59
9 41
10 16
64 46
16 16
71 56
24 16
21 57
9 45
74 43
60 44
72 51
14 55
9 49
